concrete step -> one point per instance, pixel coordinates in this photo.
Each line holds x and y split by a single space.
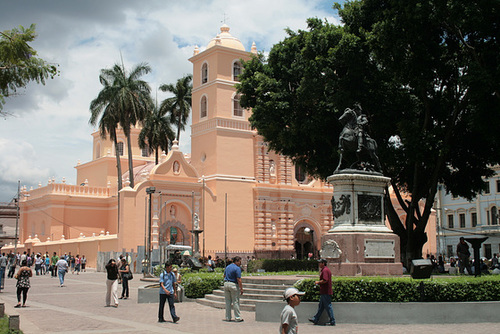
257 286
251 295
275 292
222 304
217 298
256 289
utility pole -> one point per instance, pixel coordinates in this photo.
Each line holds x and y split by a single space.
17 215
225 232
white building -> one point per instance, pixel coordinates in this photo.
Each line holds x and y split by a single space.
458 217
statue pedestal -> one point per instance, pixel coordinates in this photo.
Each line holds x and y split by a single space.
196 248
359 243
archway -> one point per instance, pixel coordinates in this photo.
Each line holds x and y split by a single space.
305 238
173 223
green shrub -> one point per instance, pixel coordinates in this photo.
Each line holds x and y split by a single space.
157 270
275 265
404 289
254 265
196 285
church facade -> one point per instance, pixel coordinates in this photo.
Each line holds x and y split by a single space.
248 199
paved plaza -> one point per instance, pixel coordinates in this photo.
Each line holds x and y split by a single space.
79 308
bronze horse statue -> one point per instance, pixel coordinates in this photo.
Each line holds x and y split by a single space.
356 146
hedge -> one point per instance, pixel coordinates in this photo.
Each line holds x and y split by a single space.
405 289
276 265
197 285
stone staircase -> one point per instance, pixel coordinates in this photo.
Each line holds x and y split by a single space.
264 288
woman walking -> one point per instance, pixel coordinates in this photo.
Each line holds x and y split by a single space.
84 262
125 275
77 264
23 283
38 264
112 283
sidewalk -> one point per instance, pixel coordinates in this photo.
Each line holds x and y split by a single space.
79 308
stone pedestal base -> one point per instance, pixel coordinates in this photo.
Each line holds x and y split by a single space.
365 254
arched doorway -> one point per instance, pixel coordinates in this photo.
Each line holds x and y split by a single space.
304 242
171 231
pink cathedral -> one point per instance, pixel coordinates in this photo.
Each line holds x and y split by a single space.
249 200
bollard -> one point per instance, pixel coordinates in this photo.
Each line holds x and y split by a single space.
2 310
14 322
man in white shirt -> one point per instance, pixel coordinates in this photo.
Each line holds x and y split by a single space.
62 269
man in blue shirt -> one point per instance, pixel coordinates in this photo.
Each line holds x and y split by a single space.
168 291
232 281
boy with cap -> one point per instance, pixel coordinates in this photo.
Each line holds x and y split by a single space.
289 323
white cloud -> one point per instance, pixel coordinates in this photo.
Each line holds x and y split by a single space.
19 162
50 131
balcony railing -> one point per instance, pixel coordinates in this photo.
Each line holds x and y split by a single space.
70 190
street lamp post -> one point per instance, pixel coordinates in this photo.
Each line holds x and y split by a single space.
203 212
17 215
150 191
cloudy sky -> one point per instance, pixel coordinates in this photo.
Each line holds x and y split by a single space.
49 131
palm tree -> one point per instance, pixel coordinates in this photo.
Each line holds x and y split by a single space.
107 124
156 133
128 96
178 105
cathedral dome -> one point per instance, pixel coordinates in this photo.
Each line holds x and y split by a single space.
226 39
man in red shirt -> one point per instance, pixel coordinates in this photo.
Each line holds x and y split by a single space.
325 292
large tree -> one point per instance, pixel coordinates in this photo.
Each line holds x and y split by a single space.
179 105
156 133
127 95
425 72
19 64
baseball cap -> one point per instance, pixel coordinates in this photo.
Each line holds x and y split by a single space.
292 291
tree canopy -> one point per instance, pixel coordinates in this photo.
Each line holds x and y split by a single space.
126 96
427 75
179 105
18 62
156 133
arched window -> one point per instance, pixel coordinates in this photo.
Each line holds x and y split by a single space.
237 109
236 71
204 73
300 175
119 148
494 216
97 151
145 151
203 107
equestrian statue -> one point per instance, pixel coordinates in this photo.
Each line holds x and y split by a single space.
357 149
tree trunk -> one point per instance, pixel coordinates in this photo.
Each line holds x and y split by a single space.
130 162
179 128
120 184
118 165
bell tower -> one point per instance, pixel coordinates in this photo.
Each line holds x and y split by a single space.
221 137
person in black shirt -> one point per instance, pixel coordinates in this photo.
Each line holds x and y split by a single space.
464 255
112 283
